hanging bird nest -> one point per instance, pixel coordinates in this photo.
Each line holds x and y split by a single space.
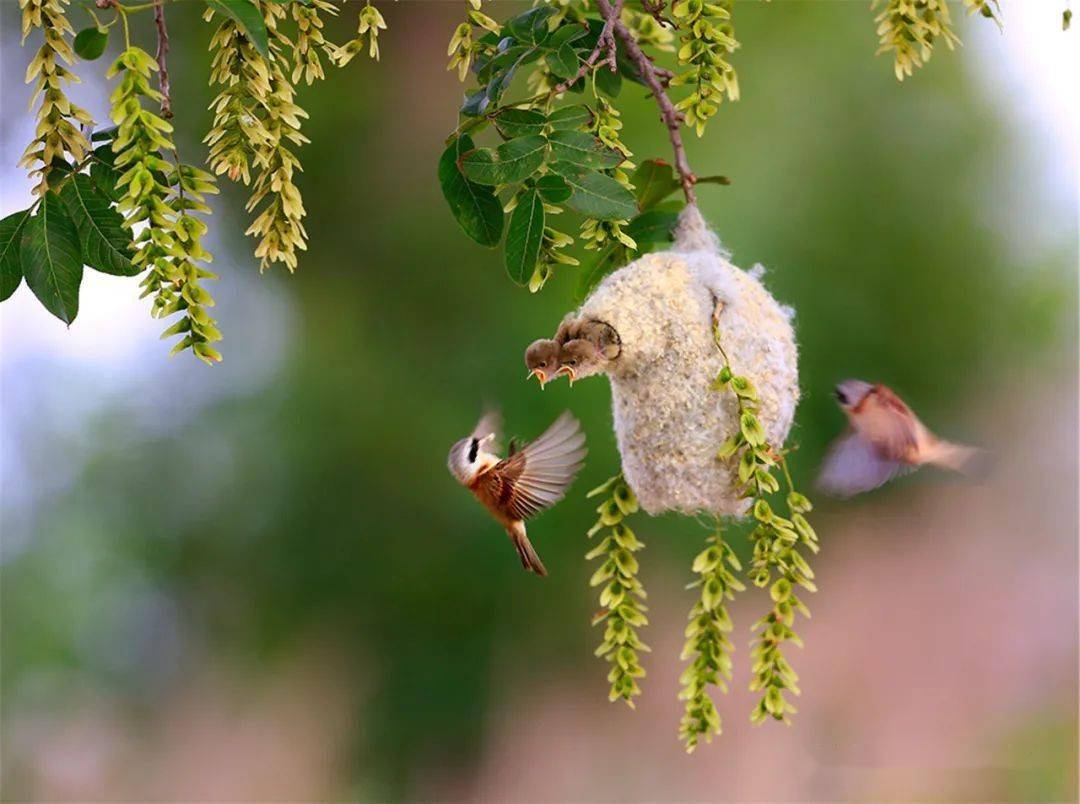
667 423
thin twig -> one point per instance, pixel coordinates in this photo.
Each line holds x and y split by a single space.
656 8
605 43
162 52
671 116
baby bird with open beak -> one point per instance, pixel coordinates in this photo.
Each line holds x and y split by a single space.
590 351
542 360
884 439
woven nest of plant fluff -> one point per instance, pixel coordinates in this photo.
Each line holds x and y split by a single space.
668 422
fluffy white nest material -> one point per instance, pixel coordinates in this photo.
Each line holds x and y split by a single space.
668 422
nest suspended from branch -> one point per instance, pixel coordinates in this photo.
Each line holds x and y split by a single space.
668 422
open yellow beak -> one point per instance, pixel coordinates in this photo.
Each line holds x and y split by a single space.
539 374
569 372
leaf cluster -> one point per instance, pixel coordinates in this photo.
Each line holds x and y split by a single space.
73 225
909 29
162 196
706 41
707 643
776 540
622 610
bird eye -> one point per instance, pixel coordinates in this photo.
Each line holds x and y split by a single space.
841 397
474 447
572 361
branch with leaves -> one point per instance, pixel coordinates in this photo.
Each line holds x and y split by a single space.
119 200
559 148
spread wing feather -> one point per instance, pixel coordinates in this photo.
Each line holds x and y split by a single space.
536 477
853 466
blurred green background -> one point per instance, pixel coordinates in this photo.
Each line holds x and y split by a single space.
259 581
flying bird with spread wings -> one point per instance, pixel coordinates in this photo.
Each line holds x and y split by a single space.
884 439
529 480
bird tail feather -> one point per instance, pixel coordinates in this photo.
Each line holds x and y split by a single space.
529 559
969 461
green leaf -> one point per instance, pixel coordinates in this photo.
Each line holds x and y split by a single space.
580 148
247 15
608 82
524 237
569 118
565 33
473 206
728 448
553 188
563 62
49 254
530 26
106 244
654 226
476 103
519 122
592 273
513 161
11 229
596 195
104 134
724 180
105 177
653 181
502 62
91 42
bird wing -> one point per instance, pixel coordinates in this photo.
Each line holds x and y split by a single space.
490 424
890 425
536 477
854 465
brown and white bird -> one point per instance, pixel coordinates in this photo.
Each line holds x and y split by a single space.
542 360
524 483
885 438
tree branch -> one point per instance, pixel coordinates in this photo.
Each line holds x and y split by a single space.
605 43
654 79
162 51
656 8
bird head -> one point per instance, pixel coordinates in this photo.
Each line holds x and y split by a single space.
542 360
851 393
468 456
580 358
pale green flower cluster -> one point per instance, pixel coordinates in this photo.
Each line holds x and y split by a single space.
707 641
58 119
463 47
706 41
157 197
622 610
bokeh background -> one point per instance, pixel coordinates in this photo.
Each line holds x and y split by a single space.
258 582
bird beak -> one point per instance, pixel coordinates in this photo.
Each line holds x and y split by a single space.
539 374
569 372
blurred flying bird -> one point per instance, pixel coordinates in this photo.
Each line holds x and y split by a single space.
542 360
885 438
523 484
